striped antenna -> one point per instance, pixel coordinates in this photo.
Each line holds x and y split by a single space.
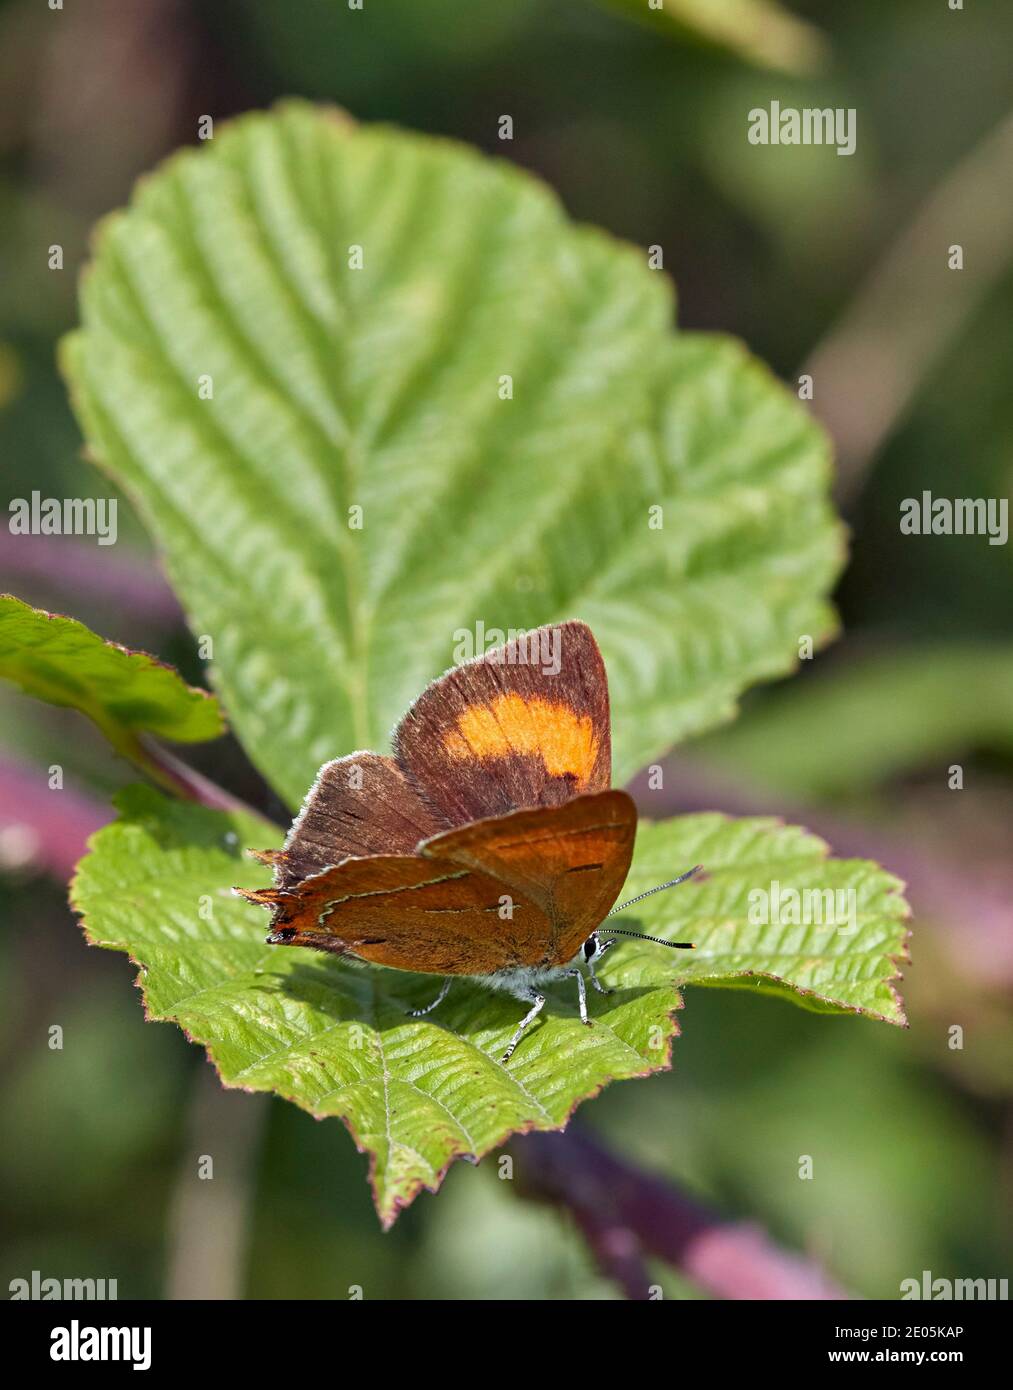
639 936
660 889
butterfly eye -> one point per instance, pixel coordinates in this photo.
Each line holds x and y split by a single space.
590 947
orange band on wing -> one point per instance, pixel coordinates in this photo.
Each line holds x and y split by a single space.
563 739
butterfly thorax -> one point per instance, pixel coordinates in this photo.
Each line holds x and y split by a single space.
520 980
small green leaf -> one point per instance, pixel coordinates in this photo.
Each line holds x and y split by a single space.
126 693
323 452
417 1094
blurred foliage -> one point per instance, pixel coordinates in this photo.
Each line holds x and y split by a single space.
875 716
911 1140
759 31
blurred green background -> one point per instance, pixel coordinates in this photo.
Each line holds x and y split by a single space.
838 264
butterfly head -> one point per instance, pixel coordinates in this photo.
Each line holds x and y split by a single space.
596 946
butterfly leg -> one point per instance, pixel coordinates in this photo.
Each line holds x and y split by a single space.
595 980
537 1003
581 994
421 1013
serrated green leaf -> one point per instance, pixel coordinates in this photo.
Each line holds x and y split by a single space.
380 388
839 952
418 1093
125 692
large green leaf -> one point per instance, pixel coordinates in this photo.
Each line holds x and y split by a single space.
125 692
418 1093
337 388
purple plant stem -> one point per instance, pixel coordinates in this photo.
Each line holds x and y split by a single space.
625 1213
46 831
175 776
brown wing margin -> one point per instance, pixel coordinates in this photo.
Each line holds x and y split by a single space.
571 861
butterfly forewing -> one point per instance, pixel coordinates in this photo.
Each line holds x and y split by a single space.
525 725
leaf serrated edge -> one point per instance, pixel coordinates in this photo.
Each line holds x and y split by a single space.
388 1208
895 892
388 1212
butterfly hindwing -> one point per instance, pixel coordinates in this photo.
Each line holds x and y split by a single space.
570 861
359 805
410 913
526 725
